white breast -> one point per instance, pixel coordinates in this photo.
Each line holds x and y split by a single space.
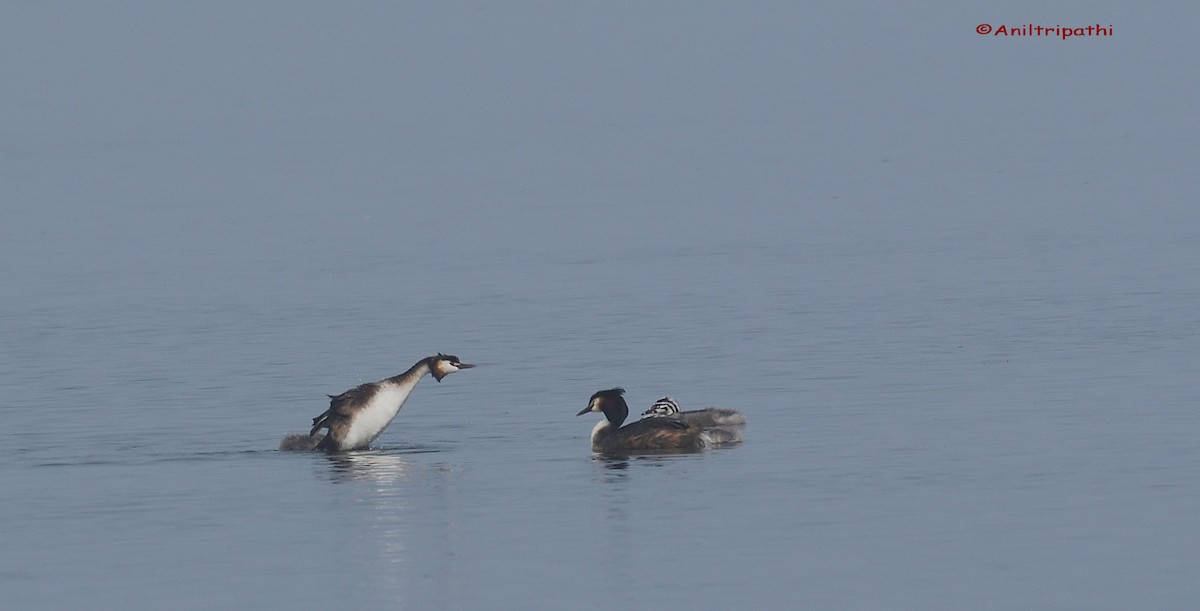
600 428
370 421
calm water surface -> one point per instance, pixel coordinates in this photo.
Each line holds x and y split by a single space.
968 366
952 445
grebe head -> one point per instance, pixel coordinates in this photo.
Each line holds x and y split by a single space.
611 403
663 408
443 365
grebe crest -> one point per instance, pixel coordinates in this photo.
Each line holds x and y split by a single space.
445 364
358 416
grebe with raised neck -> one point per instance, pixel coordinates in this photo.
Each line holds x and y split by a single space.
358 416
708 417
648 434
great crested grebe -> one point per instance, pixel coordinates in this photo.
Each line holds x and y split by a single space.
356 417
666 407
609 437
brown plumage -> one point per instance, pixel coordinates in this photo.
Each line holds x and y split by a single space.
341 412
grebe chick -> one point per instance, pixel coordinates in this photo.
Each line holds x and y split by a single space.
609 437
708 417
356 417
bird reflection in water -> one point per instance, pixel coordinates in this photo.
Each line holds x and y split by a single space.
647 458
620 467
379 466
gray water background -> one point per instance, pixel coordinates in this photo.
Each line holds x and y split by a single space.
953 280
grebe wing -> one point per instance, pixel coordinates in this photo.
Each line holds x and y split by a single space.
343 405
657 434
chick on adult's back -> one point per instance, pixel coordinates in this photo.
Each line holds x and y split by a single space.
666 407
358 416
648 434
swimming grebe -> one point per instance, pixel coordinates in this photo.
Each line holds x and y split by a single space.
356 417
666 407
609 437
